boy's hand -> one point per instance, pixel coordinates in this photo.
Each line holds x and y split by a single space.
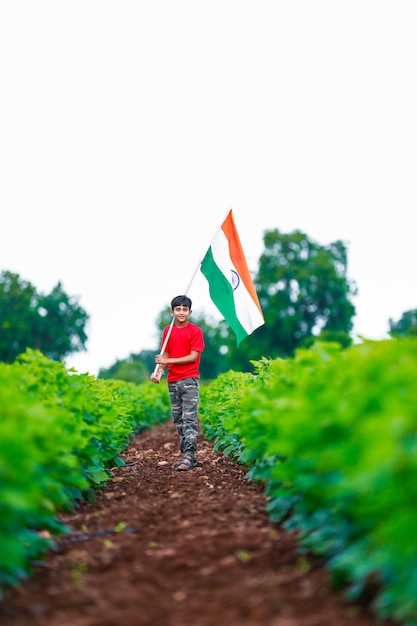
162 359
156 376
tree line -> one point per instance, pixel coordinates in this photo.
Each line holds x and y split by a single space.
53 323
303 288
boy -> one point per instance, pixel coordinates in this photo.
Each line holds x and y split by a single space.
182 357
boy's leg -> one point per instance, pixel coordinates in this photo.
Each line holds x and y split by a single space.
184 395
176 410
190 394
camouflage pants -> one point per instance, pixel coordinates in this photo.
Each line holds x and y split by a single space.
184 396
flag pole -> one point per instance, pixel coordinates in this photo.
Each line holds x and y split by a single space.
164 345
173 319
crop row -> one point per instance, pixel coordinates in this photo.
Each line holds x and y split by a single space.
332 434
60 433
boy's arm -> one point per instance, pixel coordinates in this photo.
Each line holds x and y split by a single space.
164 359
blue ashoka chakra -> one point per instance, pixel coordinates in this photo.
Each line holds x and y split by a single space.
235 280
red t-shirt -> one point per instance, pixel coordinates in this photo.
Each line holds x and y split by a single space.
180 343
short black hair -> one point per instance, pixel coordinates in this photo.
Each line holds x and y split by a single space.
181 301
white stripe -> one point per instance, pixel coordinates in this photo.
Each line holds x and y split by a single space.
246 310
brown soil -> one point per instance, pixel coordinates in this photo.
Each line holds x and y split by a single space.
167 548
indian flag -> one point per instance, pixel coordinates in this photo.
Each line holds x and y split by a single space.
230 283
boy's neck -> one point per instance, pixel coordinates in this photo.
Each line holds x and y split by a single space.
181 324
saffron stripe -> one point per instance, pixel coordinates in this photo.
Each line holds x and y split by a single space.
238 258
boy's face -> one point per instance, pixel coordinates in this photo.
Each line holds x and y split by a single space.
181 314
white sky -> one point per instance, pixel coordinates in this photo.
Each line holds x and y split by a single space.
128 129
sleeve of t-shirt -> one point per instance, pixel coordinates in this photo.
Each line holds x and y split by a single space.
197 342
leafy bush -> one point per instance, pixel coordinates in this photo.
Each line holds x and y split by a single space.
333 433
60 433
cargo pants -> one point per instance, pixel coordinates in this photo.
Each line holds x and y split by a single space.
184 396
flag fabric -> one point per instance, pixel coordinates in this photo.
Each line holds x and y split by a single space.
230 283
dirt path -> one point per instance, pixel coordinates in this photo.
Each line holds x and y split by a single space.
167 548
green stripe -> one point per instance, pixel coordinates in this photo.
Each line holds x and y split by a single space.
221 293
